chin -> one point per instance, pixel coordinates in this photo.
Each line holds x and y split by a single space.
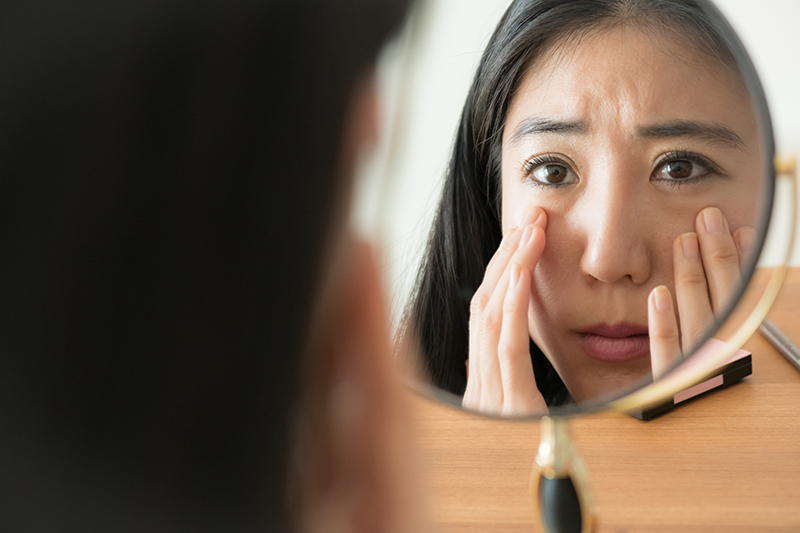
612 380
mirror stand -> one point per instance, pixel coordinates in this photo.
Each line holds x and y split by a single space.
560 491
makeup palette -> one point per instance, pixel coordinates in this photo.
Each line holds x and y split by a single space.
738 366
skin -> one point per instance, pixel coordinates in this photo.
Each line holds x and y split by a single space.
606 246
354 467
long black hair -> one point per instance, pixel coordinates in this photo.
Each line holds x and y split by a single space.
467 230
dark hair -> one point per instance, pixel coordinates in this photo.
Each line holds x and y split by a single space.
466 230
168 178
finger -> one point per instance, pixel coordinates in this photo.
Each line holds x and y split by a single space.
476 366
691 291
489 328
527 255
665 348
473 391
491 321
535 215
745 239
483 379
520 394
508 247
494 270
720 256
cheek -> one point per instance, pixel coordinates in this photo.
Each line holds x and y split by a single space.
741 210
742 201
518 201
512 207
557 282
560 282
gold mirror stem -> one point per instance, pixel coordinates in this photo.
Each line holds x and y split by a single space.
562 497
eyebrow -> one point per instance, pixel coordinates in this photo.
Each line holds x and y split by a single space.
710 132
714 133
535 126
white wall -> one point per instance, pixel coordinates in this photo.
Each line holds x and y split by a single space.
770 29
399 190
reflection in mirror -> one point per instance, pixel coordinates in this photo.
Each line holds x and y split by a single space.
606 195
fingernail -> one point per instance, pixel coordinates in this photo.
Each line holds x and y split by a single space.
691 250
540 218
531 217
526 236
515 277
662 299
747 240
712 219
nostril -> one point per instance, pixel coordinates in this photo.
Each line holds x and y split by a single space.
614 262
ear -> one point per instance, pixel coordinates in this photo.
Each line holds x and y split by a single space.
361 127
355 448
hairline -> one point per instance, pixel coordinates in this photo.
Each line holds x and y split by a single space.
659 27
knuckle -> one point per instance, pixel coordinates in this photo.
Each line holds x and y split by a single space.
724 254
693 278
511 306
508 246
665 335
490 321
696 332
489 266
508 349
479 301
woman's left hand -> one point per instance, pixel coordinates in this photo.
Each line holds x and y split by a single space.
708 266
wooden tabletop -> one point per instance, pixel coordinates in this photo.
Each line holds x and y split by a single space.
726 462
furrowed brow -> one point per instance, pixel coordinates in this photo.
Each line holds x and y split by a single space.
539 126
713 133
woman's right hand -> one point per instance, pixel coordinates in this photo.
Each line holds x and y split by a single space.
500 376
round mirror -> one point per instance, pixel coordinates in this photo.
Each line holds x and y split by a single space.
598 206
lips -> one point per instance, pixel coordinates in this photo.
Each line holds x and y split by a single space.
617 343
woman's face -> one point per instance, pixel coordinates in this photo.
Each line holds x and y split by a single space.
622 139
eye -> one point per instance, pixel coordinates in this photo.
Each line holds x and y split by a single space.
683 167
680 169
549 170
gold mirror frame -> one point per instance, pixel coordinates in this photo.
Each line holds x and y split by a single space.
558 458
406 51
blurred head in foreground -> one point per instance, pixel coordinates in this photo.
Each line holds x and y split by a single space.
191 338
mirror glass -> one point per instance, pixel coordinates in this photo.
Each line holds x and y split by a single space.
578 216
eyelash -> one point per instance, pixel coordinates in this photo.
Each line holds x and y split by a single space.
534 162
712 170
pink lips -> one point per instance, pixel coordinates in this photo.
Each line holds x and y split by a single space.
614 344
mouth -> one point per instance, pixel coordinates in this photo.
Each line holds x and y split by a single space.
617 343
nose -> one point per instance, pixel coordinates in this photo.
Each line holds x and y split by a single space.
615 230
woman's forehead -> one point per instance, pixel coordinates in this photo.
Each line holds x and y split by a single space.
629 79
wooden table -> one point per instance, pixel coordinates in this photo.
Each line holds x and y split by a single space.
727 462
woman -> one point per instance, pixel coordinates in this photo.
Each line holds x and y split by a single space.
187 322
611 147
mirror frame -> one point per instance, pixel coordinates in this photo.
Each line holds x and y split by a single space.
644 391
